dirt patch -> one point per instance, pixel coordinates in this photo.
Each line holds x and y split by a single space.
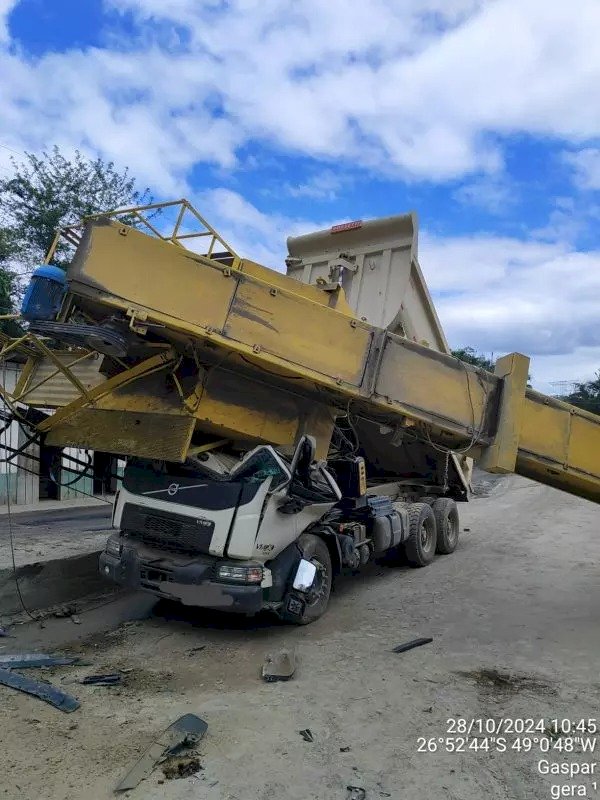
102 639
498 681
181 767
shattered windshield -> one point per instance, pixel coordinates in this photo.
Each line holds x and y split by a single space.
260 465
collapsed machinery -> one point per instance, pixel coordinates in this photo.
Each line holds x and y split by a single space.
278 429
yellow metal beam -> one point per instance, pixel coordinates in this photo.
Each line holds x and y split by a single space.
297 341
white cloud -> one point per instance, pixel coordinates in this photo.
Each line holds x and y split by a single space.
503 294
6 6
252 233
418 88
494 196
586 167
324 185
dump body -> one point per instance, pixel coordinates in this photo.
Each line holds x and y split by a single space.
376 264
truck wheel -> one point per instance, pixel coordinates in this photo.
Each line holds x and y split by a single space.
422 535
315 550
447 523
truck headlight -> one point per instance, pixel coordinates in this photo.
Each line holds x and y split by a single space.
114 546
228 572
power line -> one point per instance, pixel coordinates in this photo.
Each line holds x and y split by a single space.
11 149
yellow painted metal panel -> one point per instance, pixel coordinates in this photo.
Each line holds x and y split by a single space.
501 455
336 299
159 436
545 430
152 274
584 446
432 386
311 336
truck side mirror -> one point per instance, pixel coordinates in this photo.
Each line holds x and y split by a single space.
304 455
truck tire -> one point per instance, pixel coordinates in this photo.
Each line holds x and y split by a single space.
447 523
422 535
315 550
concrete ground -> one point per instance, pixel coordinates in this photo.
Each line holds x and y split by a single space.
514 620
56 553
56 531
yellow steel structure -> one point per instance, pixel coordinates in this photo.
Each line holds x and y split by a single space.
227 348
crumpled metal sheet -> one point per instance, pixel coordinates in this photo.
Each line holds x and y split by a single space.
25 660
45 691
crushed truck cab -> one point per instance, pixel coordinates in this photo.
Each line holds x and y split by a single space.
229 535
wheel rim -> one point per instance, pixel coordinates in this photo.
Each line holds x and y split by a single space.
426 536
452 531
320 584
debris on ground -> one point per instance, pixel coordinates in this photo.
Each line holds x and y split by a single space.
494 679
184 732
27 660
306 734
356 793
75 619
193 650
402 648
181 767
279 666
3 632
102 680
66 610
344 749
45 691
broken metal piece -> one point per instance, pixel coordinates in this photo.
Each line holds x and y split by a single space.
402 648
102 680
356 793
306 734
185 731
279 666
45 691
26 660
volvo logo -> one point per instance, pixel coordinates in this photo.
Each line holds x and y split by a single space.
173 488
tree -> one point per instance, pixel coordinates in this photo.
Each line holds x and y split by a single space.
470 356
586 395
52 191
8 249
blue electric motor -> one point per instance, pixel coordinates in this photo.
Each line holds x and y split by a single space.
44 294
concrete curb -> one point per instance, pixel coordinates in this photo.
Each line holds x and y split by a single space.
48 583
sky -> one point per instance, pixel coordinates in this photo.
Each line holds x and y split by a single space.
277 117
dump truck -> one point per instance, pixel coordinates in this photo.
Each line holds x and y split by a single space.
279 429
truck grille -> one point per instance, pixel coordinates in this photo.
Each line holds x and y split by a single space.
173 532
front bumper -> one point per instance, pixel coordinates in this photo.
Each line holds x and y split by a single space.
190 582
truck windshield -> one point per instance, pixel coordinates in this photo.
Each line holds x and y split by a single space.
260 465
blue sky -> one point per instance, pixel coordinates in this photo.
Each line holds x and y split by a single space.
280 116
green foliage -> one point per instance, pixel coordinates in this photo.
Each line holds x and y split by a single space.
8 248
51 191
470 356
587 395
